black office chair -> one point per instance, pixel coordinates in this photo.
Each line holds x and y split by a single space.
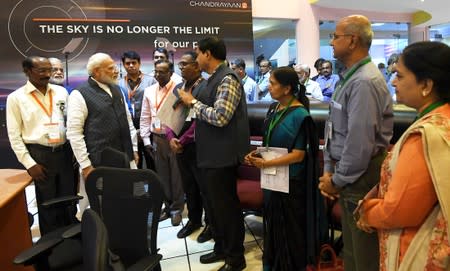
129 202
53 252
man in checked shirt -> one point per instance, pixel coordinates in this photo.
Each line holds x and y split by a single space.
222 138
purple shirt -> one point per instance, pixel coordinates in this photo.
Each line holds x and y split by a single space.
187 137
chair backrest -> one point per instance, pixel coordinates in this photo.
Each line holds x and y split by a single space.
111 157
95 242
129 202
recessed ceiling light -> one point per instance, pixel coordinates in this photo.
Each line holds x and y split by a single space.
377 24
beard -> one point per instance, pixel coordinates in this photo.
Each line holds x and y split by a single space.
57 81
109 80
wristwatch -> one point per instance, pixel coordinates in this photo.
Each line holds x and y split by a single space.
193 101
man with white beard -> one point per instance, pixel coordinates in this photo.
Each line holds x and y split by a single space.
91 126
313 89
57 76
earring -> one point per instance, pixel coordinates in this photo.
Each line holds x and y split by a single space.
424 93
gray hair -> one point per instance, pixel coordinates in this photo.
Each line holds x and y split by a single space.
302 67
54 60
360 25
95 61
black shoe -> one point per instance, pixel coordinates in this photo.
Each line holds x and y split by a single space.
205 235
212 257
229 267
164 215
188 229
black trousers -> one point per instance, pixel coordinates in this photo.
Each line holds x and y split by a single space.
60 182
149 161
190 176
226 216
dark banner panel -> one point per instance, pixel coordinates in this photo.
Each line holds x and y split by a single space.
76 29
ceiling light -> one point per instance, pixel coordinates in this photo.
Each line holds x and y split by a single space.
377 24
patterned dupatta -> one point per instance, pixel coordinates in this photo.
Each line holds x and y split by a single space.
429 248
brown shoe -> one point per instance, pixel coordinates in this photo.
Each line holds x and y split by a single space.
175 219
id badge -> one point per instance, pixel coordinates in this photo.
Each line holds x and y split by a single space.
156 123
328 133
53 133
191 115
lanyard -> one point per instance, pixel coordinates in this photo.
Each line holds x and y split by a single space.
276 119
349 74
131 92
430 108
49 112
162 99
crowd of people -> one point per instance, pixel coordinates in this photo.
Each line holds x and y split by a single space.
50 129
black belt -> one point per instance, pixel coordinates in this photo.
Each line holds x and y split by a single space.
48 148
159 135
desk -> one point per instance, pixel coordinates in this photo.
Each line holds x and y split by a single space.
15 235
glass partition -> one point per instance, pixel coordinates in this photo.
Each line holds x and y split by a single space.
440 32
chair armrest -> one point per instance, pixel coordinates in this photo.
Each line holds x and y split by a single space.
146 264
72 232
62 200
29 256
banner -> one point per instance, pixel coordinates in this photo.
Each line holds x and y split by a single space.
76 29
80 28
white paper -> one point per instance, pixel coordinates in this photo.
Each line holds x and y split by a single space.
274 178
174 119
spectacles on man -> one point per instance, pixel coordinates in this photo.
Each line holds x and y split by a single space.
160 72
335 36
183 64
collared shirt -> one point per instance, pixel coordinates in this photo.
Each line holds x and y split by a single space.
227 99
327 84
313 89
251 89
134 99
186 138
154 97
76 116
263 84
175 77
362 121
26 119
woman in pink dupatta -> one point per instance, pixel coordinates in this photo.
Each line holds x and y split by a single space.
410 208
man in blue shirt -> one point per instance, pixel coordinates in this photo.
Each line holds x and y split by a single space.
133 85
327 80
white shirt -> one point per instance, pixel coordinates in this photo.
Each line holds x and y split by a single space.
251 89
76 117
154 97
26 119
313 90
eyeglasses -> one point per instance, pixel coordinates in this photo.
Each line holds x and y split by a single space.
183 64
160 72
42 70
335 36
